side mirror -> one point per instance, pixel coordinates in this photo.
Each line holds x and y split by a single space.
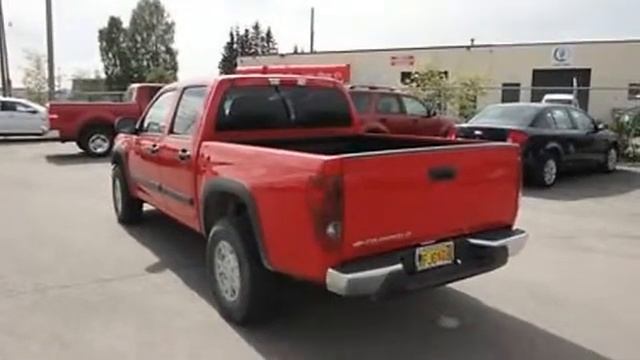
126 125
601 126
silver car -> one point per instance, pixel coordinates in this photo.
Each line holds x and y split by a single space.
22 117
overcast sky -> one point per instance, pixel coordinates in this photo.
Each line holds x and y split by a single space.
202 25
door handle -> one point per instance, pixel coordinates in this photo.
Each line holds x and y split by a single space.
153 148
184 154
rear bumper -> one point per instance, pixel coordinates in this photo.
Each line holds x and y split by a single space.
392 272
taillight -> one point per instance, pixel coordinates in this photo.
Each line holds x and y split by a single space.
517 137
326 201
452 134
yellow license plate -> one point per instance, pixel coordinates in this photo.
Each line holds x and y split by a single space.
432 256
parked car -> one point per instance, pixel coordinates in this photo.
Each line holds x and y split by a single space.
275 172
551 137
22 117
90 124
563 99
389 111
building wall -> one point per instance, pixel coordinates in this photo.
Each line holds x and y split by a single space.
612 64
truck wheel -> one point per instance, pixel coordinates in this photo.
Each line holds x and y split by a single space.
243 289
610 161
545 172
97 141
128 209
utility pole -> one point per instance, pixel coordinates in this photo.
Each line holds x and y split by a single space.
4 58
50 61
313 34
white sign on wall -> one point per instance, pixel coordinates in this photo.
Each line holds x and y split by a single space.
562 55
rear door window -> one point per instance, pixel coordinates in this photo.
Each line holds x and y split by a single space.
362 101
544 121
283 107
562 119
389 104
189 110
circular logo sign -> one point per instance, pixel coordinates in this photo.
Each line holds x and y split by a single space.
561 54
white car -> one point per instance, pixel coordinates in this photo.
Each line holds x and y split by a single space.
22 117
564 99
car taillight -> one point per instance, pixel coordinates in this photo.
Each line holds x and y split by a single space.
452 134
326 201
517 137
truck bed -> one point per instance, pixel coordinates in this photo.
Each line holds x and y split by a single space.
348 145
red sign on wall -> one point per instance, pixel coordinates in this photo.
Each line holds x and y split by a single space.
403 60
340 72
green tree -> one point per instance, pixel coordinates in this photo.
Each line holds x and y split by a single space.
251 41
434 87
35 77
468 90
150 42
229 59
115 54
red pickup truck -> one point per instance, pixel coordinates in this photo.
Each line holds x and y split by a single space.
90 124
276 173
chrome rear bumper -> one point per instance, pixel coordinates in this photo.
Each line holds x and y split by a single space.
372 281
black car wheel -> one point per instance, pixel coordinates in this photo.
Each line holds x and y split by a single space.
545 172
128 209
243 289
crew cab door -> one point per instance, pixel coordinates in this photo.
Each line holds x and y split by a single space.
144 161
390 113
418 113
178 151
592 145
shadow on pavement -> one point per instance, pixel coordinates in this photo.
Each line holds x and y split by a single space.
27 139
433 324
585 185
78 158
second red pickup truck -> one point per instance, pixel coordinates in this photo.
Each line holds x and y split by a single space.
90 124
275 172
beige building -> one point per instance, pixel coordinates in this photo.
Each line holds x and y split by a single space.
607 72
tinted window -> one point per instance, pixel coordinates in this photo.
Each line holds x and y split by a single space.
510 115
158 114
544 121
414 107
583 121
389 104
283 107
8 106
189 110
562 119
361 101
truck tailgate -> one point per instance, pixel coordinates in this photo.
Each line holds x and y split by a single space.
398 199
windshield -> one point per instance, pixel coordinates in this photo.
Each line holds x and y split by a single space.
283 107
506 115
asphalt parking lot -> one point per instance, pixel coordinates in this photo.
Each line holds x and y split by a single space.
76 285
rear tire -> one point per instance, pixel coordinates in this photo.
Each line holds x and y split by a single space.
545 171
244 291
610 160
128 209
97 141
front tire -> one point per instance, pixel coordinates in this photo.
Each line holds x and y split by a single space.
545 171
128 209
97 141
243 289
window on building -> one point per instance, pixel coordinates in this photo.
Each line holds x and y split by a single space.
407 76
510 92
634 91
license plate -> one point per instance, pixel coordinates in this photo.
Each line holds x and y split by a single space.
432 256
